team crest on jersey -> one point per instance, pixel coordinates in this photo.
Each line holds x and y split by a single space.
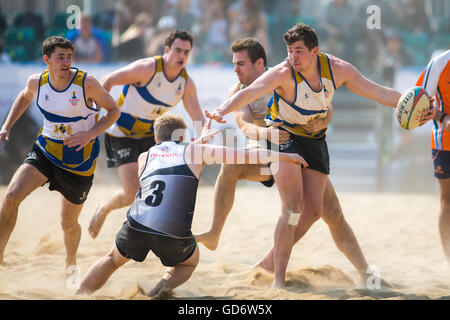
325 92
179 89
62 129
74 100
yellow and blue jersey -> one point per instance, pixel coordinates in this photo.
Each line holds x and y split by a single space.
66 112
141 106
308 105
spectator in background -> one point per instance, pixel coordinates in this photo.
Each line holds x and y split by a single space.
392 57
29 18
213 35
156 43
87 44
183 16
248 20
338 29
130 47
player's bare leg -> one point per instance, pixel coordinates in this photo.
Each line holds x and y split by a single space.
176 276
128 174
72 230
100 272
444 218
224 193
26 179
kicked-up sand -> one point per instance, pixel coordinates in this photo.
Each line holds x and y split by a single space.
398 234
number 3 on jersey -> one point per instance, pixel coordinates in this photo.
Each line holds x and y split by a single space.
154 199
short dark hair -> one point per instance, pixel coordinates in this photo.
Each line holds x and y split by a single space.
179 34
166 125
254 49
51 43
302 32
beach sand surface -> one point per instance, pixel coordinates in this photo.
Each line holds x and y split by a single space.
398 234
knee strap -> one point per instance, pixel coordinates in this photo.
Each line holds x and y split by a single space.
293 218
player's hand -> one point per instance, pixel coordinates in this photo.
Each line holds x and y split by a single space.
293 158
4 135
79 139
429 114
275 135
315 126
207 134
215 115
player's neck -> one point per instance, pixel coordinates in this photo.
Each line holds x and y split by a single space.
60 83
171 72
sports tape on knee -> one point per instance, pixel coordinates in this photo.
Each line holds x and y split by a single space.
293 218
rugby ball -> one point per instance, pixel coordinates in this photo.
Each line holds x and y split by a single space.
411 106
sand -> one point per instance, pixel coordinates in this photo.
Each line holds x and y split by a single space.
398 234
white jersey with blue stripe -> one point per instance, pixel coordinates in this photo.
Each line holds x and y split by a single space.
141 106
65 113
308 105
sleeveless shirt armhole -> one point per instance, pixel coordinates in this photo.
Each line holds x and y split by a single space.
145 166
187 164
151 78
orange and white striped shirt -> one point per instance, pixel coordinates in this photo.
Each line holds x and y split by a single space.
435 79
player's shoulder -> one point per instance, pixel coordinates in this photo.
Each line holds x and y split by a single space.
441 58
338 64
33 81
234 88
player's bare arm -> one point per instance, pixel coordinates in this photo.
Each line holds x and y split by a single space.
346 74
191 104
319 124
20 105
95 93
275 78
244 120
138 73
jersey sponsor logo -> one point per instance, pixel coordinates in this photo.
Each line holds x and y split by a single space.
74 100
164 155
47 98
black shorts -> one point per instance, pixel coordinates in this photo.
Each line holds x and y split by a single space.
120 151
135 244
73 187
314 151
441 162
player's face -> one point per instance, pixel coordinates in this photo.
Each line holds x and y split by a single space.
300 57
178 53
245 70
59 62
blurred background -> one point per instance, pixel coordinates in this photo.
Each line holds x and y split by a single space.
368 149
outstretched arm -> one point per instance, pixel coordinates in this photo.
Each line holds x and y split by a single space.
346 74
19 106
138 72
269 81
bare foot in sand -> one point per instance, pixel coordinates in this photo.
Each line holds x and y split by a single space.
96 223
208 239
265 265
